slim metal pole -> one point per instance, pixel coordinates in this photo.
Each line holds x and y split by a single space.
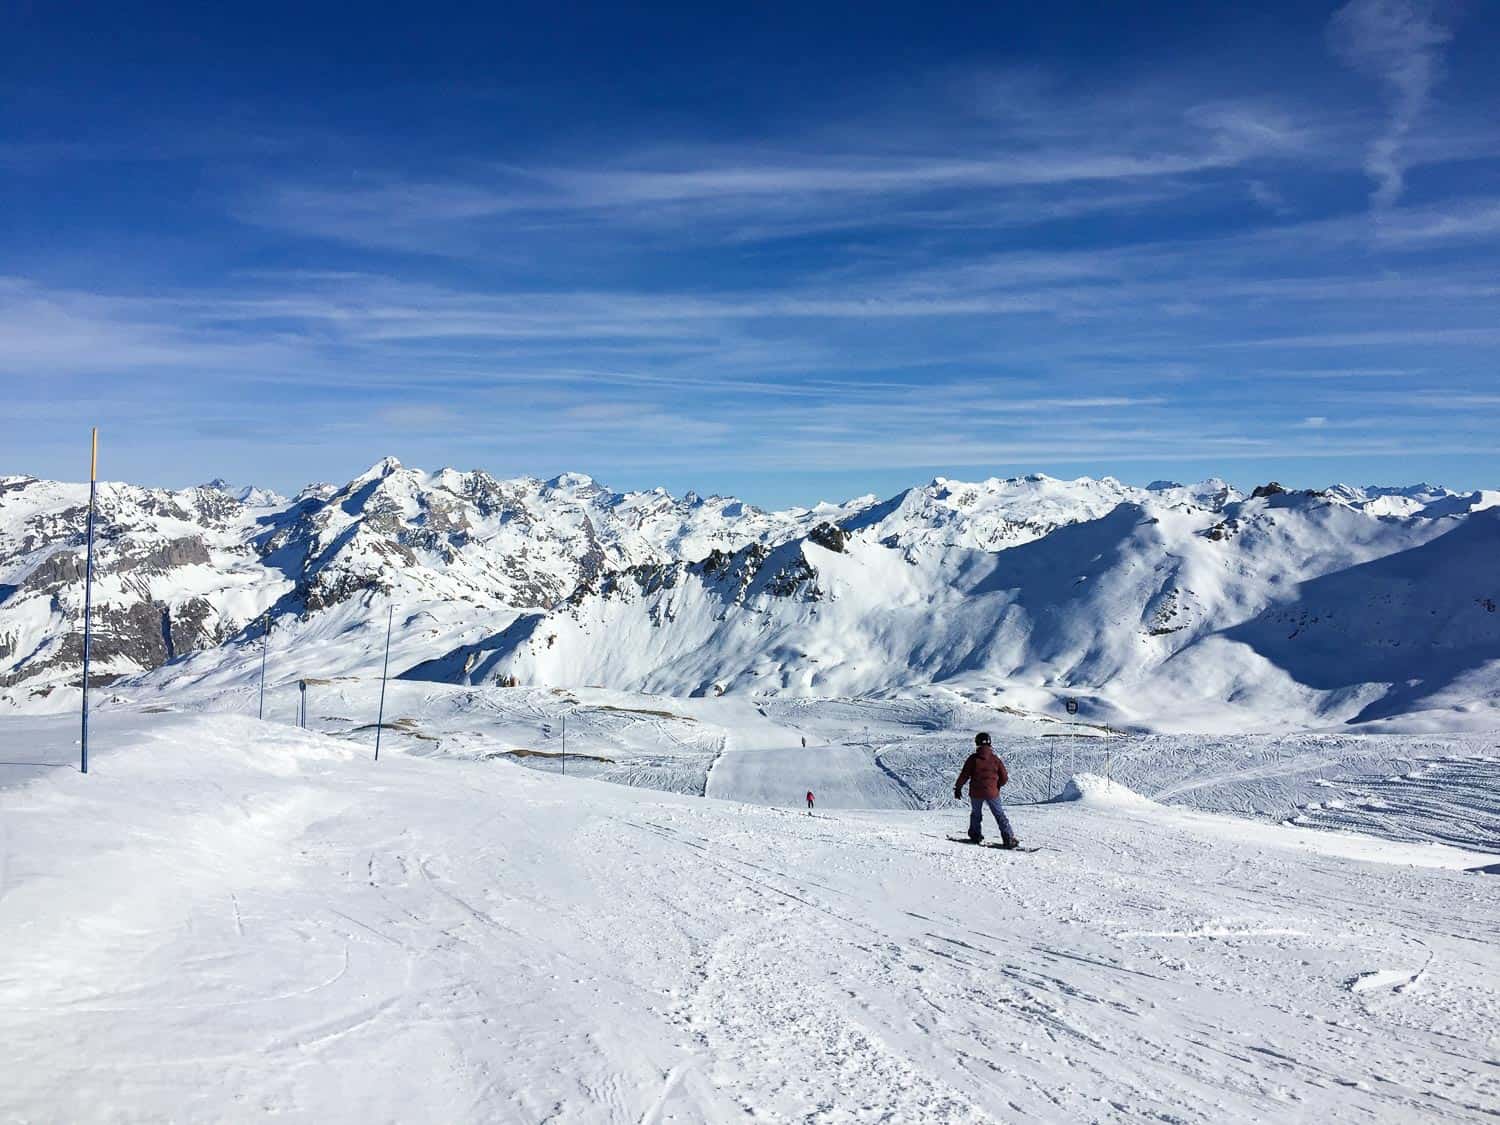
380 718
265 647
1051 749
565 745
88 597
302 704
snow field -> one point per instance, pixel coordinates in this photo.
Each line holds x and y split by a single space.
901 752
229 919
905 753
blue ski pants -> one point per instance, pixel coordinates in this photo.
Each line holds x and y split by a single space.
976 817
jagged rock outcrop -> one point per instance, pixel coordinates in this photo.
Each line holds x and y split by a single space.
830 536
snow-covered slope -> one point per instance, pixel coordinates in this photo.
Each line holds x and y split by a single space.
1414 500
900 752
229 920
1161 612
993 514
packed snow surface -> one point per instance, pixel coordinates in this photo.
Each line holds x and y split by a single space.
1099 791
228 919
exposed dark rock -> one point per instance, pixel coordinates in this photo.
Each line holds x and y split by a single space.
790 579
647 578
830 536
717 562
1273 488
1224 529
187 551
55 572
593 560
329 590
134 633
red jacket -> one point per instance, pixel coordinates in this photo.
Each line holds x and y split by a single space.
985 773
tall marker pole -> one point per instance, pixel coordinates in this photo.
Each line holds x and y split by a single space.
88 596
380 718
265 648
1072 708
565 745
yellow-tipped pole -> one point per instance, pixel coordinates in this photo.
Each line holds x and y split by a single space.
88 596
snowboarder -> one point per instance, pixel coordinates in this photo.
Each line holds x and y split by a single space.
809 800
985 774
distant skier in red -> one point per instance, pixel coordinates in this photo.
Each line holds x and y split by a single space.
985 774
809 800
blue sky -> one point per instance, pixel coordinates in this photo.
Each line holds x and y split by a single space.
781 251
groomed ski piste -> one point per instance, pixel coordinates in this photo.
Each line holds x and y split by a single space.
232 919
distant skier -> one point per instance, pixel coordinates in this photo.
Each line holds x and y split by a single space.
809 800
985 773
804 742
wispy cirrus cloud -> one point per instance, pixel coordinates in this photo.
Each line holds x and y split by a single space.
1400 43
45 330
1461 219
1060 155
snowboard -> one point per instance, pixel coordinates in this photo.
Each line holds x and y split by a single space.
989 844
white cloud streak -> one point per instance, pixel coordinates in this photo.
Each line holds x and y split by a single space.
1400 43
1065 155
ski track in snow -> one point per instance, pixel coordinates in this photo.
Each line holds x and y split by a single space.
229 919
902 754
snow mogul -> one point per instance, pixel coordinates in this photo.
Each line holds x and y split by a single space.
985 773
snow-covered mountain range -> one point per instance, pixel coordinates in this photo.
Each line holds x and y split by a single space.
1164 606
183 571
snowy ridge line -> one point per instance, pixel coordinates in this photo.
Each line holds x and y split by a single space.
1183 607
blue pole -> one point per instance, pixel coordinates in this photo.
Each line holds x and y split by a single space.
88 597
380 718
265 647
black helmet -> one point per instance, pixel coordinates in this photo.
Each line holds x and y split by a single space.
982 738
